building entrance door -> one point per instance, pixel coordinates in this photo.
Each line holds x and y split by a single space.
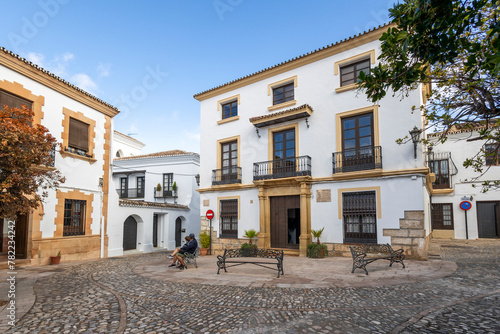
21 236
155 230
130 234
178 231
285 221
488 219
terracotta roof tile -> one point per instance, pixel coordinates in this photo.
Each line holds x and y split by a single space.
124 135
467 127
304 106
171 153
35 66
144 204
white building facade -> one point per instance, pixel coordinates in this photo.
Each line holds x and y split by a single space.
154 200
295 147
455 184
73 219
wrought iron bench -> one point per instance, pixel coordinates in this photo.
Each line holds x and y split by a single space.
237 257
190 258
359 259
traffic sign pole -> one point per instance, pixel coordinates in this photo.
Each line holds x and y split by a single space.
466 205
210 215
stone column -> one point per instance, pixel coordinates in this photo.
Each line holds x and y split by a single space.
263 235
305 217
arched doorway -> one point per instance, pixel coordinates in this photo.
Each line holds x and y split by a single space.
130 234
178 232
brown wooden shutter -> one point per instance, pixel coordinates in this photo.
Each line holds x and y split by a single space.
13 101
78 135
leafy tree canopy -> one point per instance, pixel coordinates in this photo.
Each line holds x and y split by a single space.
25 153
453 45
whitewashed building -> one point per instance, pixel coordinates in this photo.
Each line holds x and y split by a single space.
455 184
295 147
74 217
125 146
147 217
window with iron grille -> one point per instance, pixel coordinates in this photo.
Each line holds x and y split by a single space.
168 181
283 94
442 216
349 73
74 217
228 218
441 169
230 109
78 138
492 154
360 217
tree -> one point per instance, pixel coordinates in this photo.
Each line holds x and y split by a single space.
453 45
25 151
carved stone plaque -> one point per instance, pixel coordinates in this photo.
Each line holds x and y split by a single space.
323 195
206 202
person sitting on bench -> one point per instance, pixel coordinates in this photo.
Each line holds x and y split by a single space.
171 256
189 247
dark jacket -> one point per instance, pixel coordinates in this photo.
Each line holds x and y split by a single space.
189 247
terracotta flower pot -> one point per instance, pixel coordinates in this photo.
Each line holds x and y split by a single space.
55 259
203 251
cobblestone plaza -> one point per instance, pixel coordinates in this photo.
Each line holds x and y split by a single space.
457 293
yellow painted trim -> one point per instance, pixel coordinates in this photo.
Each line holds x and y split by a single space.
18 89
271 131
281 115
106 171
282 105
228 99
66 154
227 120
77 195
365 110
282 83
219 149
442 191
346 88
353 59
47 80
65 134
372 173
347 190
226 187
229 197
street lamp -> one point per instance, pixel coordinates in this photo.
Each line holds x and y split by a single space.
197 177
415 137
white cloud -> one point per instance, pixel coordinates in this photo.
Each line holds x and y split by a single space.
103 69
36 58
84 82
68 56
192 135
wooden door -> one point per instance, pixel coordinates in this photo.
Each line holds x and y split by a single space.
284 153
486 220
155 230
178 231
285 221
357 143
130 233
497 216
21 236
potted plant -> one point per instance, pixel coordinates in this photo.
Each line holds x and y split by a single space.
56 259
174 189
248 250
317 250
204 242
250 234
158 190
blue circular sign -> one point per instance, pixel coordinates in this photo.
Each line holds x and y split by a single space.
465 205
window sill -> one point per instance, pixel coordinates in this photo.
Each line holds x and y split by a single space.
442 191
346 88
65 154
282 105
43 167
229 119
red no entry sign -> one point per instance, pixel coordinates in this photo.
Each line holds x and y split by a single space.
210 214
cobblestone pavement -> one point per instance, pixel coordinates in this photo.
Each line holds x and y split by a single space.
107 296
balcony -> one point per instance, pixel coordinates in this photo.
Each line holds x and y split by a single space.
165 193
227 175
131 193
280 168
359 159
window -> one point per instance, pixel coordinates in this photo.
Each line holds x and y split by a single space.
357 143
442 216
229 218
441 169
492 154
123 187
230 109
168 181
78 140
140 186
284 153
74 217
283 94
229 162
13 101
359 211
349 73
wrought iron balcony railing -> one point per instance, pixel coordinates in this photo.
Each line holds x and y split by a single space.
354 160
227 175
165 193
131 193
280 168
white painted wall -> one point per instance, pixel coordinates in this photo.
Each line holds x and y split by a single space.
125 145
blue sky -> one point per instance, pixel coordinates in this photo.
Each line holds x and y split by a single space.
149 58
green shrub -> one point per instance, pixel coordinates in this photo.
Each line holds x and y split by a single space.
248 250
317 251
204 239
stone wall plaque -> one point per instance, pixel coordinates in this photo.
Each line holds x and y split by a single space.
206 202
323 195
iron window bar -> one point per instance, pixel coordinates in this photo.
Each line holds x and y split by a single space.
226 175
280 168
358 159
